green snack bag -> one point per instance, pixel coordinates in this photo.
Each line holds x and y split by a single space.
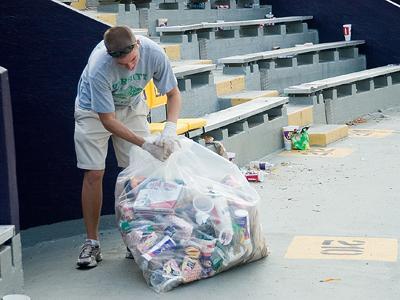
301 139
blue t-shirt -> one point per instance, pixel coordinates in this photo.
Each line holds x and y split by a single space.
105 85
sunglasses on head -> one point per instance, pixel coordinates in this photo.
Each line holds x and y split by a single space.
122 52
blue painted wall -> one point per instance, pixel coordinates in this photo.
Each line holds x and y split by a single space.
45 46
375 21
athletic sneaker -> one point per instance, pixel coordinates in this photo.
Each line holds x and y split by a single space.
89 256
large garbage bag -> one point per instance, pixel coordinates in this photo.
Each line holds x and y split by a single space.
188 218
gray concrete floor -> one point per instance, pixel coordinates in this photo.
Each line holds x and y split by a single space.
352 196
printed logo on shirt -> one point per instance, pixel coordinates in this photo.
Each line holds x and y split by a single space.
124 81
124 91
124 97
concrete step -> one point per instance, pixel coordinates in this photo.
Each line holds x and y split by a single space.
299 115
245 96
6 233
110 18
228 84
186 62
323 135
173 51
11 275
80 4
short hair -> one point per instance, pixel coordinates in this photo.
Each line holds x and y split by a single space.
118 38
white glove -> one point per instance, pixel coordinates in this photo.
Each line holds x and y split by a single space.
168 139
156 151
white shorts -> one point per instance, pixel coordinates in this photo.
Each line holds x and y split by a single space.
91 138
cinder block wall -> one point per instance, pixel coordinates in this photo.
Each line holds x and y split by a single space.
216 48
283 77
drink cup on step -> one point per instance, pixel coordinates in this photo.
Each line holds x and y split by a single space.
287 136
347 32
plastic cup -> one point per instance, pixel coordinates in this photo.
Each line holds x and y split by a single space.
287 136
347 32
203 207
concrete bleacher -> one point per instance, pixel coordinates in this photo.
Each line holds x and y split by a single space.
233 99
177 13
198 91
343 98
197 87
208 33
245 127
229 84
289 66
11 274
213 40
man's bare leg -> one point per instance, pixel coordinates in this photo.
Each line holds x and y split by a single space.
92 199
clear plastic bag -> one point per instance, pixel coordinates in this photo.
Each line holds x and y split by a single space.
188 218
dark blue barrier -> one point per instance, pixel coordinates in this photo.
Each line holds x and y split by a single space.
376 21
45 46
9 214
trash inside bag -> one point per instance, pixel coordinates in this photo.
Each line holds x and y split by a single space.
187 218
300 139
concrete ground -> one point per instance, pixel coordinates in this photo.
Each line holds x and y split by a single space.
347 200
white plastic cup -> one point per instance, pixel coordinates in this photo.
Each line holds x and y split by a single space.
347 32
203 207
287 136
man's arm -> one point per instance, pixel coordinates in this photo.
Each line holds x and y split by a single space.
173 105
117 128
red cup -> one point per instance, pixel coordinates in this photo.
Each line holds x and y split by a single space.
347 32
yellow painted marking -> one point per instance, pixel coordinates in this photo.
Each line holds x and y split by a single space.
344 248
230 86
173 51
319 152
329 136
193 123
370 133
301 117
201 62
267 93
158 127
81 4
109 18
